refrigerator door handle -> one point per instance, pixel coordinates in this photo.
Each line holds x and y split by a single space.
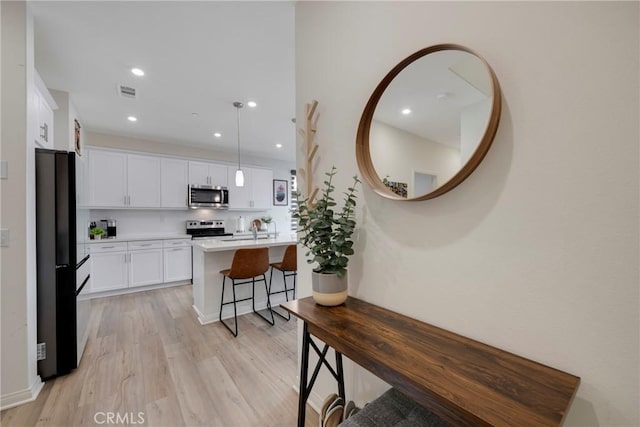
83 284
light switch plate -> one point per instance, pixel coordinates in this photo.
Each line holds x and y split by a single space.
4 169
4 237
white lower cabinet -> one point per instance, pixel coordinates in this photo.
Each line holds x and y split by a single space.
145 262
177 264
109 269
124 265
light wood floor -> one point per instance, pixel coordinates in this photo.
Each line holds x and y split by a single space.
148 354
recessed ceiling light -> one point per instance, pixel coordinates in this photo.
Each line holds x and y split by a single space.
278 145
406 111
132 119
217 134
252 104
137 71
195 114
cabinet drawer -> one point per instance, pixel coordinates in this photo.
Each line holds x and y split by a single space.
107 247
177 243
145 244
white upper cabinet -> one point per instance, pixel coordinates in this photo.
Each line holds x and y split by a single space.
123 180
117 179
262 188
143 181
174 183
43 109
107 178
198 173
201 173
218 174
256 193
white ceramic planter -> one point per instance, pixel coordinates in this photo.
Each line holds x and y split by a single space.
329 289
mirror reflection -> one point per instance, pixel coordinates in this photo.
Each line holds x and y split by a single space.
429 121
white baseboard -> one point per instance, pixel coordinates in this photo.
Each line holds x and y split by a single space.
123 291
242 309
11 400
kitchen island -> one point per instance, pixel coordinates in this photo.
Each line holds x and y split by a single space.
211 256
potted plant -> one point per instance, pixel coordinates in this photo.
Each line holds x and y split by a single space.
97 233
326 232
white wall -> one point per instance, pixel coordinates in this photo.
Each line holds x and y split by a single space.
537 251
64 126
399 154
473 124
19 381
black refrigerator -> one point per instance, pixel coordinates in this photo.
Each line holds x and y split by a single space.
58 259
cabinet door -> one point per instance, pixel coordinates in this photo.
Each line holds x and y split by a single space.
239 197
145 267
199 173
108 271
107 178
82 183
261 188
46 123
143 176
37 123
218 175
177 264
174 183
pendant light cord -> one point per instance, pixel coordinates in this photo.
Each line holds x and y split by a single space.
238 106
238 117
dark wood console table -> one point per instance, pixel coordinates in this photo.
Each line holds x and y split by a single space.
461 380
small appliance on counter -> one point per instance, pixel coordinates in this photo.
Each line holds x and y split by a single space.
110 226
207 229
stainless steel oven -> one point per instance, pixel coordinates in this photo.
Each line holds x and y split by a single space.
208 196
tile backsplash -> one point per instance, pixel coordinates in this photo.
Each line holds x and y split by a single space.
149 221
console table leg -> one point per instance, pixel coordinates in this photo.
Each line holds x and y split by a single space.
304 369
340 377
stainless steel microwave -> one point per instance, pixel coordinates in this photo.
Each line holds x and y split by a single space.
208 196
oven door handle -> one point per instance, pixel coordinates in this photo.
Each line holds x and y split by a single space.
83 284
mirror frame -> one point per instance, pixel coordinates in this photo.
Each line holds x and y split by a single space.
363 154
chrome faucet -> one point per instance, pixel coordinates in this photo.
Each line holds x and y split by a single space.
254 230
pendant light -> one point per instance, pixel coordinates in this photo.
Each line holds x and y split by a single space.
239 173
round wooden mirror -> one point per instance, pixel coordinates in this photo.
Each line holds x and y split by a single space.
429 123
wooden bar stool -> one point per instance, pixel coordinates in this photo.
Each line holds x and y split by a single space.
289 267
247 264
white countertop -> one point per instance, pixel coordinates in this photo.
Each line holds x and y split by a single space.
217 245
138 237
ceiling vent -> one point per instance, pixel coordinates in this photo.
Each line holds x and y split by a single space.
127 91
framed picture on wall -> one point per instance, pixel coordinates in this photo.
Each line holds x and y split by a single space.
280 192
77 137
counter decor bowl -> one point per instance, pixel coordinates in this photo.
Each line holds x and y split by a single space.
327 234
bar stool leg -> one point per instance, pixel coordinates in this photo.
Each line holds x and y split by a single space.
286 293
253 299
222 304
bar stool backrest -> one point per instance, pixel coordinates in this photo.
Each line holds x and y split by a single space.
248 263
290 259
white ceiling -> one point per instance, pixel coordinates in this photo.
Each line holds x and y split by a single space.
198 57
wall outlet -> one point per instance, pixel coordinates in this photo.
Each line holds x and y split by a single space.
4 237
